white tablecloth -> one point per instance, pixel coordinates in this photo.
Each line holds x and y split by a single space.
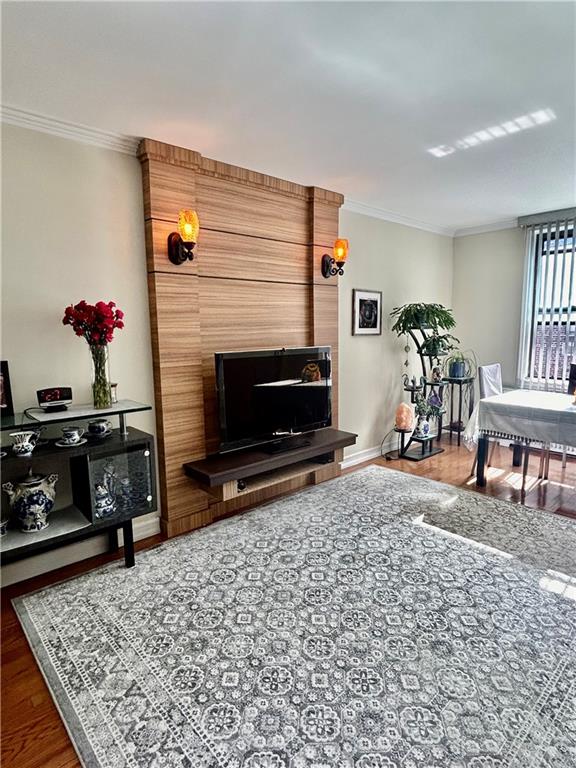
544 417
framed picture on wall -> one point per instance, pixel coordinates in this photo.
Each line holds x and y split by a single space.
6 406
366 312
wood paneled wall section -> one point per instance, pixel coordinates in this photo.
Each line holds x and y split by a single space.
255 282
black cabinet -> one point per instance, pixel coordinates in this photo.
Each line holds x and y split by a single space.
115 482
103 485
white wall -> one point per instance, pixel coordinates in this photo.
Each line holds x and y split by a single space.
487 296
407 265
73 229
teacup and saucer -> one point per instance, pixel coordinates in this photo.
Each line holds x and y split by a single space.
99 428
71 437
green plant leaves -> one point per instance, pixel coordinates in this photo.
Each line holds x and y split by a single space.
421 315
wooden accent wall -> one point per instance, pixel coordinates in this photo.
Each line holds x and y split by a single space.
255 283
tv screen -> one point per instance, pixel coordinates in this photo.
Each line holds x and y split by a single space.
272 394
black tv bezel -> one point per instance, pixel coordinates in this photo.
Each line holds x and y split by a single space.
227 446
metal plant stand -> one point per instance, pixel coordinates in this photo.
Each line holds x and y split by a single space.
427 447
464 388
427 385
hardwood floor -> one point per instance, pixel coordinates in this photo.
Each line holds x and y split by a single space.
33 735
557 494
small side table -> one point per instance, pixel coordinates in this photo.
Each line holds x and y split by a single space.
465 389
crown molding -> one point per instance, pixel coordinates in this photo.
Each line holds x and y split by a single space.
128 145
395 218
482 228
94 136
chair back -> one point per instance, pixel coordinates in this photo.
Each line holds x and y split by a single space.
490 379
572 379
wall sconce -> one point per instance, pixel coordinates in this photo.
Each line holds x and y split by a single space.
181 244
334 265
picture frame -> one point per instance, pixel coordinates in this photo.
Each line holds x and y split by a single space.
366 312
6 403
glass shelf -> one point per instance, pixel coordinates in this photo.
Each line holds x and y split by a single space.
32 417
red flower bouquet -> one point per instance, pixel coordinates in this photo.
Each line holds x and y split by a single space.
96 323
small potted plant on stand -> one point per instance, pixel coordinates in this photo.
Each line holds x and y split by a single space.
460 365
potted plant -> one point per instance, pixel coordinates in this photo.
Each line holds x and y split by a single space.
425 408
437 345
460 365
421 315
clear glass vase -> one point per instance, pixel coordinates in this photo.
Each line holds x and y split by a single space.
101 392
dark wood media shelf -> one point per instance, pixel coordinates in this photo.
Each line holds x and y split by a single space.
121 466
259 468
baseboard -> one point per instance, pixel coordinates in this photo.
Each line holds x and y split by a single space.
358 457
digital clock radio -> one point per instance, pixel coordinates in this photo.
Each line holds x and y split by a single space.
54 398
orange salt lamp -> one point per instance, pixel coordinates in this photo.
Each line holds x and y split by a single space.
404 416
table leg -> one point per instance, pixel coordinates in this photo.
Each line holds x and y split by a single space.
481 463
459 414
525 471
128 544
112 540
402 444
452 410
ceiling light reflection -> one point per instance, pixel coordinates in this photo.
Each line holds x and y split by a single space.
520 123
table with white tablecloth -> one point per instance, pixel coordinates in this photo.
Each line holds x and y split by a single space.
525 416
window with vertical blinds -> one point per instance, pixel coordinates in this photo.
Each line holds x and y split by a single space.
548 331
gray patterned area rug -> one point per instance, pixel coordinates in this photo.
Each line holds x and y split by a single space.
324 630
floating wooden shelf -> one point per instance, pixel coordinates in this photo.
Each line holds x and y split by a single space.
231 475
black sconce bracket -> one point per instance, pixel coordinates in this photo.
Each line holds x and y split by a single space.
178 250
331 267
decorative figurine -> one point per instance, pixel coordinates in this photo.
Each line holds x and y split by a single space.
411 385
105 505
32 500
125 492
436 374
110 479
311 372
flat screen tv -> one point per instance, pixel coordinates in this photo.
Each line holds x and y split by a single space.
271 395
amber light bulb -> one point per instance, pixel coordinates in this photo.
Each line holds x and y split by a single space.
340 251
188 226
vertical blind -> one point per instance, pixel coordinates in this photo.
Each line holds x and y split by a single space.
548 328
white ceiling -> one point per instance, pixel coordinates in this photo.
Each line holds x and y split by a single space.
348 96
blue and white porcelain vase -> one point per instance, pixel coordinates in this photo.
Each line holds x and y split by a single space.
31 500
422 427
